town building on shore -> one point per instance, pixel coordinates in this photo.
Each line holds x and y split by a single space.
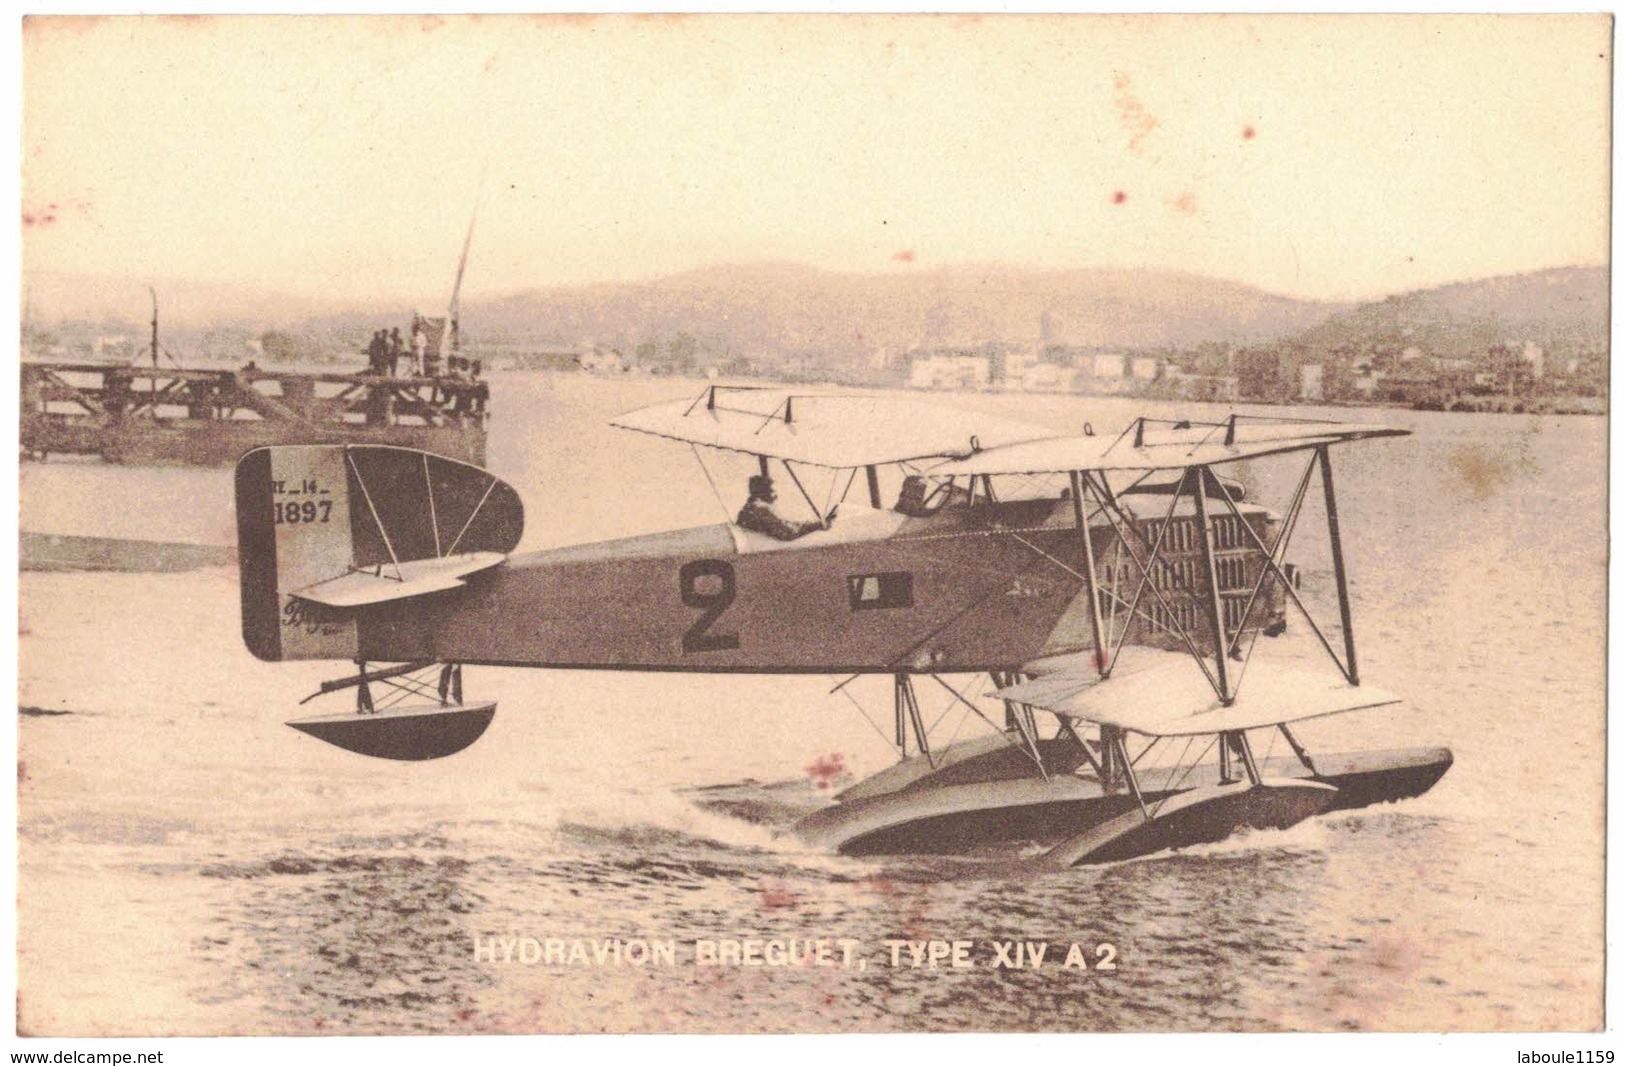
947 370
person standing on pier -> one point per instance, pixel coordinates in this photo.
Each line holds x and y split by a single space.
457 387
377 352
420 345
481 391
395 349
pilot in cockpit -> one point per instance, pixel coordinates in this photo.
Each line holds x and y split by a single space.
759 516
921 499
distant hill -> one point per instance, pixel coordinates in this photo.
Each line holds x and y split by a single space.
759 310
776 309
763 308
1567 306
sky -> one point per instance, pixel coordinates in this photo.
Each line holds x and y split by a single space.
340 159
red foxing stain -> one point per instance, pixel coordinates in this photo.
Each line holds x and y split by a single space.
22 771
1398 954
778 897
827 769
918 924
1119 197
1137 121
1185 203
1248 133
906 256
464 1014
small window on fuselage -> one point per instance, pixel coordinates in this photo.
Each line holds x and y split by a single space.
874 592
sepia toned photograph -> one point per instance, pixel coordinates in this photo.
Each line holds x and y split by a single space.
796 523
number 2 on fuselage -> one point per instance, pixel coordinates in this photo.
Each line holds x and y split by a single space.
712 603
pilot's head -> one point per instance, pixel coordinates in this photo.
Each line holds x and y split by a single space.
761 488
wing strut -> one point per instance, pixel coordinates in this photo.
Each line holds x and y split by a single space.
1204 529
908 712
1298 749
1127 765
1350 673
1123 529
1089 574
1353 670
1289 525
1222 645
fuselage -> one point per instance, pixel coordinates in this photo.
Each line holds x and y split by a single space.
970 588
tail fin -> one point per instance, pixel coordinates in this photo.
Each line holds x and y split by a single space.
308 514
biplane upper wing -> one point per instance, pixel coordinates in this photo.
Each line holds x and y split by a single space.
1162 447
830 430
1158 694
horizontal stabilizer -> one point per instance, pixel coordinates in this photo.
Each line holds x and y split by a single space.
386 581
1162 694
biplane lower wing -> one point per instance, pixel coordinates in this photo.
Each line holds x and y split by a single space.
1159 694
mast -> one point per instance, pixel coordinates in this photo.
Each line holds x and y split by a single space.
454 312
154 383
154 293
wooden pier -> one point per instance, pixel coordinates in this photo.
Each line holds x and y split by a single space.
156 416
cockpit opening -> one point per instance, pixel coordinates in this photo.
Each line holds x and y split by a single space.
919 498
761 515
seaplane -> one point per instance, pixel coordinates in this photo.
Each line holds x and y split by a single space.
1112 588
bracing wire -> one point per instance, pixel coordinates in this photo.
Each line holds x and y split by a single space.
1194 763
890 743
727 515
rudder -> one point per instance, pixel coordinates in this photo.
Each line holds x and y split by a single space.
310 513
